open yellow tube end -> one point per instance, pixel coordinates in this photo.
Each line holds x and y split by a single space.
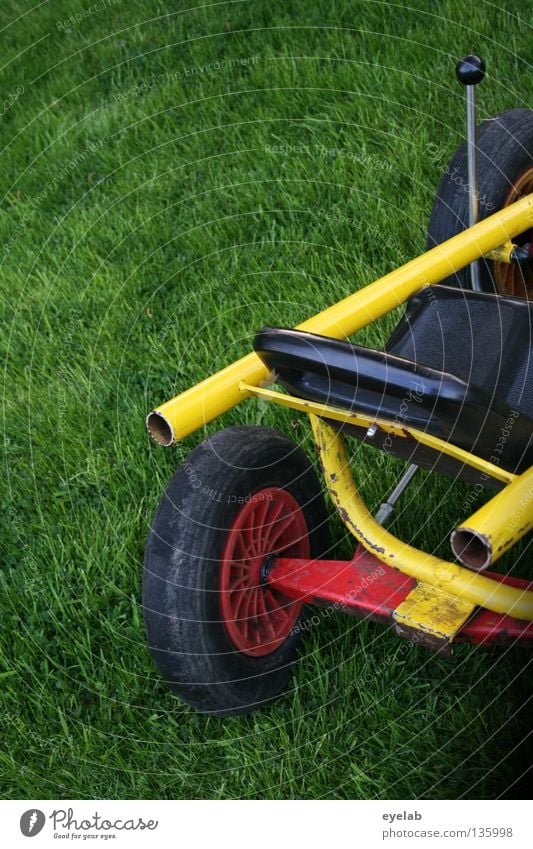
159 428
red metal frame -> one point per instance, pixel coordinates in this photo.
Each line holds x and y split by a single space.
366 587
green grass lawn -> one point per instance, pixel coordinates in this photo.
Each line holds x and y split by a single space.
171 181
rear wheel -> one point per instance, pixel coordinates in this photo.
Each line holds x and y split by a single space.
222 639
505 174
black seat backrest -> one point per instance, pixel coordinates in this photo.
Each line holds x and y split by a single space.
459 365
485 339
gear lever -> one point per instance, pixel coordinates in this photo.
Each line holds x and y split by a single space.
470 71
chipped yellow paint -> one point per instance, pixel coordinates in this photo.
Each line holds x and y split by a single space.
395 428
449 578
502 253
434 612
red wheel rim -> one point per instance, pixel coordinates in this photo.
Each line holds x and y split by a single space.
257 618
512 279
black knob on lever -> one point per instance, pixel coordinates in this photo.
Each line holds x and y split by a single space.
470 70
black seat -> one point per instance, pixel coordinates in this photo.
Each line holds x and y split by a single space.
458 365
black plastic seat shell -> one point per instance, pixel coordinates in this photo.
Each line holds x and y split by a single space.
411 389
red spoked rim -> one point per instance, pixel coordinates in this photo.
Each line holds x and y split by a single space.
513 279
257 618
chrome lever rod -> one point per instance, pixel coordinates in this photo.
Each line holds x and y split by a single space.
470 71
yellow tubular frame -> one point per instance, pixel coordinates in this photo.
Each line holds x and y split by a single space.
202 403
447 578
395 429
502 521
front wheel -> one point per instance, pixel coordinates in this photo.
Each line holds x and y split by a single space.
222 639
505 174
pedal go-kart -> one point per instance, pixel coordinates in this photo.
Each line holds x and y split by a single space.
239 544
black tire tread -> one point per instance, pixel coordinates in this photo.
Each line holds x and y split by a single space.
180 604
505 150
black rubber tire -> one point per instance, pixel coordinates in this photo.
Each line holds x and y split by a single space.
505 151
187 638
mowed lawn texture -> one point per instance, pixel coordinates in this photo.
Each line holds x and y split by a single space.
171 181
